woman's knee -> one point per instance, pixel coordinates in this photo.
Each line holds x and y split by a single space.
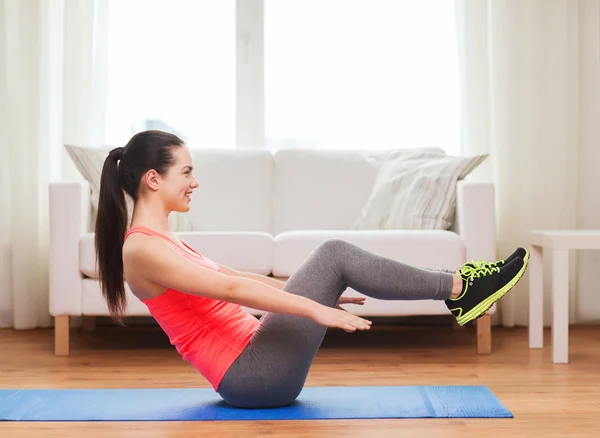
332 246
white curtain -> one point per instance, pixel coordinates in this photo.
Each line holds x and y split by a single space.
51 66
527 71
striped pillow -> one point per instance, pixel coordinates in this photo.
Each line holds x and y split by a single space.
89 162
415 192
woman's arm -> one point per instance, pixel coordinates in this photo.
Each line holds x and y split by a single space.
258 277
156 261
264 279
161 264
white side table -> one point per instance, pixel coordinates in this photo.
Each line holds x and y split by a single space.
559 242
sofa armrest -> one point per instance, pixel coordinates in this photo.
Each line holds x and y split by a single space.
475 219
69 211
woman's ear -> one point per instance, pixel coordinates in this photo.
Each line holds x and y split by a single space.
151 178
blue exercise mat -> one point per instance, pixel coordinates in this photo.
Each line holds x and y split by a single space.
195 404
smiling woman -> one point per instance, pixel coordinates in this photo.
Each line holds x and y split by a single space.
199 303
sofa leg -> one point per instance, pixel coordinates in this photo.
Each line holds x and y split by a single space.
484 334
61 335
89 323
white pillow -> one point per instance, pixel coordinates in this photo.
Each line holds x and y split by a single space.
89 162
415 192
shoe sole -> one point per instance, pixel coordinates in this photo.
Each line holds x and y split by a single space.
481 309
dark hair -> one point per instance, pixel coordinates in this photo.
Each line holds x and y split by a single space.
122 171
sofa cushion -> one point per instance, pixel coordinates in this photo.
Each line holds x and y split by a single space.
310 188
434 249
416 192
245 251
325 189
235 190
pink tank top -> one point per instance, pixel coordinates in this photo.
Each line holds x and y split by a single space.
209 334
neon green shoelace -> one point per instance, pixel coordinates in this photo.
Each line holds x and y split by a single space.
482 263
478 271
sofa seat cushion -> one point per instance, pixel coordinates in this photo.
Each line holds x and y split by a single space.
245 251
437 249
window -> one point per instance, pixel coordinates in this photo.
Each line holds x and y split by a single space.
172 67
372 74
368 74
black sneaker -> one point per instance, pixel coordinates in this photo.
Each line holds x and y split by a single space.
482 287
520 252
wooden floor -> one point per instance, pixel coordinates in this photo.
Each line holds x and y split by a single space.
547 400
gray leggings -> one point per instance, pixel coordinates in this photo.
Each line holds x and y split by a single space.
272 369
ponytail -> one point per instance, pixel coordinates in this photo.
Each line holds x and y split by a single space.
122 172
111 225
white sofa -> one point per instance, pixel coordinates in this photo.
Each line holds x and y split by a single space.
264 212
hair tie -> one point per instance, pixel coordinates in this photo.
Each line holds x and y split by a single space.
116 153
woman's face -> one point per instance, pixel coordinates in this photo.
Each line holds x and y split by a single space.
179 182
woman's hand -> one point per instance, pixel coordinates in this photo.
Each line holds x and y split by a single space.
330 317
